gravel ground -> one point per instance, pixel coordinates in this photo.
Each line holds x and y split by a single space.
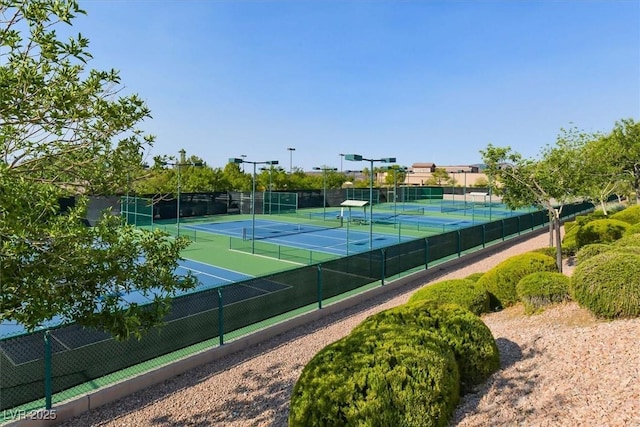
562 367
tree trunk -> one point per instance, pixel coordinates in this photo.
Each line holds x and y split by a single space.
604 207
556 220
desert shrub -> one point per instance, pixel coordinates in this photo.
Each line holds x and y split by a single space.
568 225
634 229
569 241
608 284
474 276
630 215
473 345
466 293
628 240
600 231
549 251
383 377
502 279
588 251
540 289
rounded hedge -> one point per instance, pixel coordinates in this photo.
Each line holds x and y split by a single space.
502 279
543 288
474 276
634 229
548 251
608 284
630 215
589 251
569 241
628 240
473 345
600 231
466 293
383 377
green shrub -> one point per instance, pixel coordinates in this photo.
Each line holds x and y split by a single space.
630 215
470 339
569 241
384 377
540 289
628 240
608 284
588 251
634 229
502 279
466 293
568 225
548 250
600 231
474 276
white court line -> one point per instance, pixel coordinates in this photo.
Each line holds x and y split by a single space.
206 274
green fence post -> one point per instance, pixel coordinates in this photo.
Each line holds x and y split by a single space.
502 230
319 283
518 224
382 266
484 235
426 253
459 246
47 369
220 317
532 222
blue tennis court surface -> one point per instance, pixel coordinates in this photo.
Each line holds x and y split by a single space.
208 276
322 238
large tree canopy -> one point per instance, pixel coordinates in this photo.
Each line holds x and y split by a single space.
66 130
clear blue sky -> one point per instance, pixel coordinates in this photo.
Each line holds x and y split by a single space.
424 81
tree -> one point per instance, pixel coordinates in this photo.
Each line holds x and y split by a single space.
549 182
65 130
623 145
438 177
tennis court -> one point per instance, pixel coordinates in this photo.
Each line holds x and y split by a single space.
208 276
332 237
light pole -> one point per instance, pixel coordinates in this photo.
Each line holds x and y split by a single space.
253 195
270 169
244 156
464 189
178 165
395 185
324 188
341 158
291 150
359 158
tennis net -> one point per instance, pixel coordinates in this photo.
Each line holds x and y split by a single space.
279 229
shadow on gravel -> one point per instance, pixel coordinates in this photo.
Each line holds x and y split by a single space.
507 387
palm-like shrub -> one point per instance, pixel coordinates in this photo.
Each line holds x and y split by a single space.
378 377
464 292
608 284
473 345
502 279
543 288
